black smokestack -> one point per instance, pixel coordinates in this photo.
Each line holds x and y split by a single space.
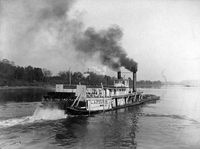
134 81
119 76
107 44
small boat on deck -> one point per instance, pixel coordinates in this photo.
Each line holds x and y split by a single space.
84 100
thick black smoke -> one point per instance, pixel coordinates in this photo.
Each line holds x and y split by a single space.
44 29
107 43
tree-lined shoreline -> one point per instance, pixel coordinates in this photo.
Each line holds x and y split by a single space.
12 76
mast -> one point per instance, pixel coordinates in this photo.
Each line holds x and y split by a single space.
70 80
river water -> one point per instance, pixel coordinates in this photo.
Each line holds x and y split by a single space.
170 123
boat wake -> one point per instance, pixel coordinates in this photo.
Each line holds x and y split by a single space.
181 117
49 114
39 115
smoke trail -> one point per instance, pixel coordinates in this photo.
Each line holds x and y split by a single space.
44 29
35 30
107 43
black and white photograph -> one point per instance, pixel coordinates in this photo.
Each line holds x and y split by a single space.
99 74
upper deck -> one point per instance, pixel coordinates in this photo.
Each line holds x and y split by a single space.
120 87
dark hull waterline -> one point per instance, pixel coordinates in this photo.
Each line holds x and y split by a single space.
79 111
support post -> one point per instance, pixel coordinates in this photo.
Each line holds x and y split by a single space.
134 81
70 80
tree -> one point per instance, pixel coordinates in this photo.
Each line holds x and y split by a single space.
29 74
63 75
19 73
38 74
6 69
5 61
46 72
77 77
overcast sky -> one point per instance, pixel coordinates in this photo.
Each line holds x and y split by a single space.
161 36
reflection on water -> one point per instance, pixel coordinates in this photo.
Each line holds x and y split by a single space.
22 95
107 130
19 102
172 122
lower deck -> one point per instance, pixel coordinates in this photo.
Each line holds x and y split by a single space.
84 102
96 105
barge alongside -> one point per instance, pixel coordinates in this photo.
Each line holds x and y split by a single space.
83 100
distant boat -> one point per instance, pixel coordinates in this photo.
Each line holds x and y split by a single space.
188 85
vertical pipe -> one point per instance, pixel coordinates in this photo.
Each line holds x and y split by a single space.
116 104
107 80
119 75
70 80
90 104
134 82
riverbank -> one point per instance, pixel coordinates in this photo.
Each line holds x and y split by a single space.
52 87
27 87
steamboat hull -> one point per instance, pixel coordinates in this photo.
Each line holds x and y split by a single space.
78 111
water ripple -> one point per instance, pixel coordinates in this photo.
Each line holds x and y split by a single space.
39 115
181 117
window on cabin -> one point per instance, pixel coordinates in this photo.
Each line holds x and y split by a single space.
116 81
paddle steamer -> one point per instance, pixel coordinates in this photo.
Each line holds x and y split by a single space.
89 100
